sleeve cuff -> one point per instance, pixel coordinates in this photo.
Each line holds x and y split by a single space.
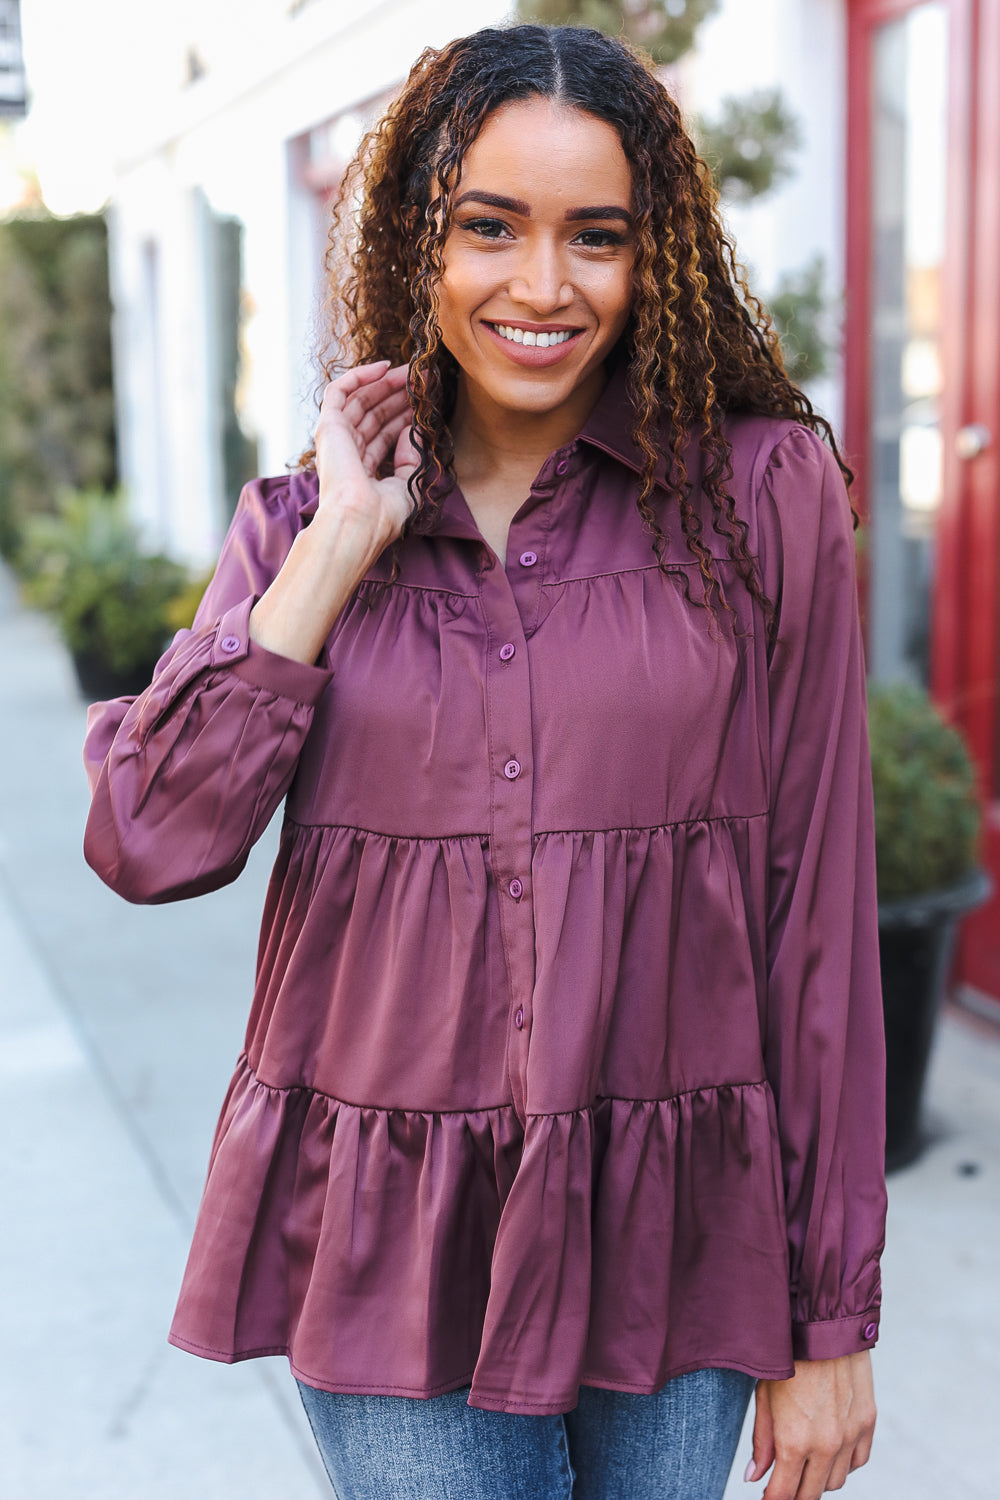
835 1337
232 648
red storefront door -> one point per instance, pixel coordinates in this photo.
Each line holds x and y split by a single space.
922 412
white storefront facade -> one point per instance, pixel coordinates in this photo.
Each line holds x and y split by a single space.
218 217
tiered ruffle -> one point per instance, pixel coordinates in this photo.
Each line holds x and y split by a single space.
405 1252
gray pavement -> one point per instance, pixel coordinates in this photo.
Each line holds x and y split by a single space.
119 1027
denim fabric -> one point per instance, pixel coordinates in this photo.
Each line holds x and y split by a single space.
675 1445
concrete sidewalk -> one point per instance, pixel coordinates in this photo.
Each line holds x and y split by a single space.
119 1027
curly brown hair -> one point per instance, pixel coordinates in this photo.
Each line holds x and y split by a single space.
698 344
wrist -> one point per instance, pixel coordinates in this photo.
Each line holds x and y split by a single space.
347 528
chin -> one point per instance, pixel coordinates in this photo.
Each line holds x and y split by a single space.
539 395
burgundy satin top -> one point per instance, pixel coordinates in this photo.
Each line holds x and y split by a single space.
565 1063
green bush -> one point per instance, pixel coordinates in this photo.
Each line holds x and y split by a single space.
665 28
926 810
183 607
109 598
750 147
56 400
801 311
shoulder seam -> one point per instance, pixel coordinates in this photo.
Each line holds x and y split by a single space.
797 429
273 490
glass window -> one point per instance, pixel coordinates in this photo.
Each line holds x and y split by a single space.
908 218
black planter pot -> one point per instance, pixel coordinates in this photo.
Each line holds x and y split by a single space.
916 941
98 681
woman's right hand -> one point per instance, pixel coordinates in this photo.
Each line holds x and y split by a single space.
365 415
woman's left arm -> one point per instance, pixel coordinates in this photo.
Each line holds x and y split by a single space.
822 1025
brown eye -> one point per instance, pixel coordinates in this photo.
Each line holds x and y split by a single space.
487 229
599 239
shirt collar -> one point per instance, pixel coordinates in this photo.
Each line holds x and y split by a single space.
608 428
453 519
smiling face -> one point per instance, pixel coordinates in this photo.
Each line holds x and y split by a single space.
537 281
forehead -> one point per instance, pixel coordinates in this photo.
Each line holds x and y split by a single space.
545 152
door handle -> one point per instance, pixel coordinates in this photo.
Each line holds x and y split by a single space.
971 440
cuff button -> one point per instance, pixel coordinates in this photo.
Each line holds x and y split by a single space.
230 643
871 1329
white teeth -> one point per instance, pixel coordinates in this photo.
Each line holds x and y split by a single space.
529 337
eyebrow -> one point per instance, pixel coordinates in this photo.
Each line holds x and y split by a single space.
518 206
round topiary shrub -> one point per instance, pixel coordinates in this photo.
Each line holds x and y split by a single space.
927 814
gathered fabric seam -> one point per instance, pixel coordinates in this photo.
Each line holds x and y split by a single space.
482 1109
540 833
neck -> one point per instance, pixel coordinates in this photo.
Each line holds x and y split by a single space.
491 439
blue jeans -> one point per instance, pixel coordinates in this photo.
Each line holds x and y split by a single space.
676 1445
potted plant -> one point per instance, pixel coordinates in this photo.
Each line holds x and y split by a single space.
926 837
111 600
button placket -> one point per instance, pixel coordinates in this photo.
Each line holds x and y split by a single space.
508 709
526 578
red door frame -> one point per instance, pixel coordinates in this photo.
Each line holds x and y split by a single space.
965 652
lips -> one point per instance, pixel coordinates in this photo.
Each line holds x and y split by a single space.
534 346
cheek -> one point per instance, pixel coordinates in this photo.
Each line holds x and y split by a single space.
614 297
459 293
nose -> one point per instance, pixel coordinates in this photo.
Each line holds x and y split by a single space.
540 280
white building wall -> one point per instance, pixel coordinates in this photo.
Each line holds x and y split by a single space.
272 73
168 450
222 143
799 46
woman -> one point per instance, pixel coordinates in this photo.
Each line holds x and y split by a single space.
561 1105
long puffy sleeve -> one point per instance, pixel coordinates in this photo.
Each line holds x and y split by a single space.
186 776
824 1048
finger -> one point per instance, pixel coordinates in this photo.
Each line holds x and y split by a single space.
340 439
338 391
395 405
815 1480
797 1477
837 1477
407 458
862 1451
391 402
763 1436
362 398
784 1481
385 442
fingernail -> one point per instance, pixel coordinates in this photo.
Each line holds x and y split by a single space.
748 1472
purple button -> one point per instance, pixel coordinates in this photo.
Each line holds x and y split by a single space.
230 643
519 1017
528 559
871 1330
563 466
516 888
506 652
512 769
